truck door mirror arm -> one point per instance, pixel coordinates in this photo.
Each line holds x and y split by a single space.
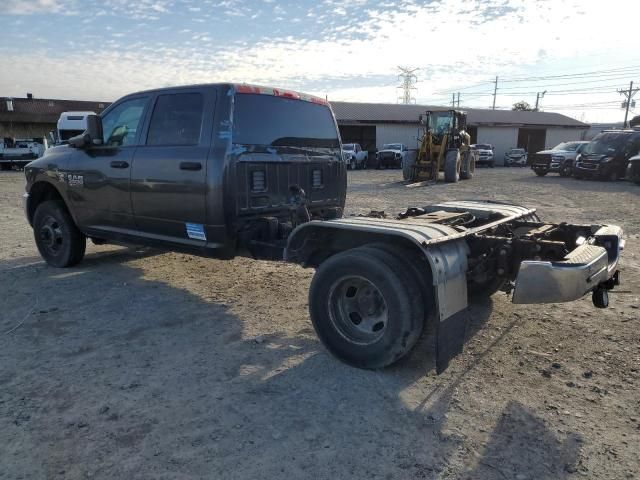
91 136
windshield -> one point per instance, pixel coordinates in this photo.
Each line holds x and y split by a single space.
605 144
392 146
440 122
348 146
567 146
282 122
517 151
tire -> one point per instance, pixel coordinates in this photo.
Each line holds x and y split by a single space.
541 173
352 165
468 167
565 171
452 166
59 241
407 168
356 284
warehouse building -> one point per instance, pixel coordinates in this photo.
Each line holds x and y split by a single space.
35 117
374 124
369 124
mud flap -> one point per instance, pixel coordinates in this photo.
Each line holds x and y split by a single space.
450 337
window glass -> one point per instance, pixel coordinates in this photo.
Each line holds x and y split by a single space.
276 121
176 120
120 125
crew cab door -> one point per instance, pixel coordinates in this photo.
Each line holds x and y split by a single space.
168 175
98 177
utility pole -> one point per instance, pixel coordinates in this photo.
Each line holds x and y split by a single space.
538 97
408 78
629 96
495 92
453 100
458 99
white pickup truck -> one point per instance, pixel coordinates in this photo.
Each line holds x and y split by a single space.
354 156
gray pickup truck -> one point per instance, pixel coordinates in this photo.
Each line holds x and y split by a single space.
223 170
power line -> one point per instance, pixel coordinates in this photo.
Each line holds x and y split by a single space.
594 73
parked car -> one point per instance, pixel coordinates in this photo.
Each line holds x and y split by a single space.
485 154
197 169
633 169
392 155
607 156
354 155
515 157
560 159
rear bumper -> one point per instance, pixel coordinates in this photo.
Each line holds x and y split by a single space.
582 271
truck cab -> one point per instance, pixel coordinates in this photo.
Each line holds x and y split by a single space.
219 169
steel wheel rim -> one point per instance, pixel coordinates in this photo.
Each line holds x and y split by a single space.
357 310
51 234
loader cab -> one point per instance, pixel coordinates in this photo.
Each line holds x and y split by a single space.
445 122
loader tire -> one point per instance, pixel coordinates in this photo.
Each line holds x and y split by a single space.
452 166
407 167
468 167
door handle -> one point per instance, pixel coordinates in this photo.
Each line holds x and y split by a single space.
190 166
119 164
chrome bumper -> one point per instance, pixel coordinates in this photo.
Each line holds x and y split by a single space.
580 272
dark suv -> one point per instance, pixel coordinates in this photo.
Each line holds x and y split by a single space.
606 157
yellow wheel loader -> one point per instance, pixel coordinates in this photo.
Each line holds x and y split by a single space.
444 147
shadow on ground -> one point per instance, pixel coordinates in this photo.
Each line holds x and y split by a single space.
107 374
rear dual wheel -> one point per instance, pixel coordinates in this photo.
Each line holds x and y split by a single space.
367 307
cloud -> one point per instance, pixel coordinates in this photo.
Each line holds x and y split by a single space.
351 56
29 7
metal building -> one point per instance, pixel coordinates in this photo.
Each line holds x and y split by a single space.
374 124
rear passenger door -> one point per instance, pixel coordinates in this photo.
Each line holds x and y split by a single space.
168 186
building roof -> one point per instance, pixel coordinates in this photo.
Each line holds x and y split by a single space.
44 110
347 112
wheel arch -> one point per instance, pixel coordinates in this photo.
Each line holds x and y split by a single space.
43 191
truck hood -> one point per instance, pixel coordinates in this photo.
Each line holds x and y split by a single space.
390 151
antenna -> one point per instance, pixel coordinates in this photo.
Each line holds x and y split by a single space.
408 78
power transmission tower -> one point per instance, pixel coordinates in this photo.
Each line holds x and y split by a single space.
629 96
409 79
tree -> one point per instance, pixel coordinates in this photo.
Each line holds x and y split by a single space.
523 106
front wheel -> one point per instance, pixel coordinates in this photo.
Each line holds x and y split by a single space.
565 171
541 173
365 307
452 166
59 241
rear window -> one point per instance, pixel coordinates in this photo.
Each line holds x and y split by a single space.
282 122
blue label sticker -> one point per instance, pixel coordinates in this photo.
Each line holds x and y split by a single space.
196 231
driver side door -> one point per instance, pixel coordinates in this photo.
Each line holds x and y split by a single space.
99 176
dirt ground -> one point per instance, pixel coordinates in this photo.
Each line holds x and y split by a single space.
145 365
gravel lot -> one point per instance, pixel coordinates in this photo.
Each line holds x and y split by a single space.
139 364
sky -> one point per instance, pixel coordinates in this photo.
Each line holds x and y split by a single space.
580 52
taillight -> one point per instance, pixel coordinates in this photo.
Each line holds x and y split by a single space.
258 181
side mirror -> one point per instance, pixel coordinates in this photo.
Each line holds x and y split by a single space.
91 136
